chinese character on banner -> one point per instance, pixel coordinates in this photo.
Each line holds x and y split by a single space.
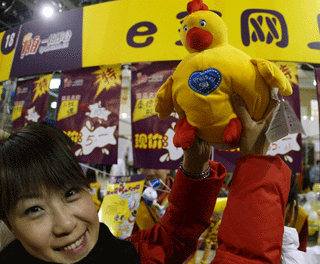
88 112
289 147
152 138
267 26
30 102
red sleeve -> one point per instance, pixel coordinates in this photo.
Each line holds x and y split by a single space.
191 206
253 222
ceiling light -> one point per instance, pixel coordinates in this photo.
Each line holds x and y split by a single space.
54 105
47 11
55 83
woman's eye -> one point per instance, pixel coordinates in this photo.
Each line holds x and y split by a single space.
185 28
72 193
33 210
202 23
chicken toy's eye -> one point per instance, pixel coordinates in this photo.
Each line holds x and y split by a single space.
202 23
185 28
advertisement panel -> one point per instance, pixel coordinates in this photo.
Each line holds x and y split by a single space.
30 101
149 30
119 206
46 45
88 112
152 138
136 31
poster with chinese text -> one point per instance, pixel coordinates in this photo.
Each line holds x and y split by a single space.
152 138
88 112
30 102
289 147
120 204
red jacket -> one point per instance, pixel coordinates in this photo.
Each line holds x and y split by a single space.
191 206
252 226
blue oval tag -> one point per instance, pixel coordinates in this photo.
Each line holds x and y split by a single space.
205 82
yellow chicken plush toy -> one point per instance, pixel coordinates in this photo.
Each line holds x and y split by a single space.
201 86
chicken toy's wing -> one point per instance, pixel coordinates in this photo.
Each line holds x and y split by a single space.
273 76
164 104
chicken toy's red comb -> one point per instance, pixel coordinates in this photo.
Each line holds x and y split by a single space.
196 5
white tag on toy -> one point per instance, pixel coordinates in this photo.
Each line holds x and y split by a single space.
283 123
274 93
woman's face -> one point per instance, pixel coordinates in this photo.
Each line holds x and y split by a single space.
57 227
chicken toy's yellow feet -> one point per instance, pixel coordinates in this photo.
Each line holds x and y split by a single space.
185 134
232 133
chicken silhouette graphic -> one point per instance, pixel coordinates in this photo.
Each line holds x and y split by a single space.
201 86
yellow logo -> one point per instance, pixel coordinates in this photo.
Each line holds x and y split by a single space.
42 86
107 77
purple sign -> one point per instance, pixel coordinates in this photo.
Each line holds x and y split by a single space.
152 138
88 112
46 45
30 102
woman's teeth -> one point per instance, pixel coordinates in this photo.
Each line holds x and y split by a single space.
74 245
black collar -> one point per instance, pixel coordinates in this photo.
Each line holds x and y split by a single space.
108 247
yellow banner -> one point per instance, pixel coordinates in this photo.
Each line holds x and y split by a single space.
143 109
6 59
17 112
67 109
139 30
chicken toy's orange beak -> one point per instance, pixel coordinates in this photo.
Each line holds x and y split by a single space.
198 38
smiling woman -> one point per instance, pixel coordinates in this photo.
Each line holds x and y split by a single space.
44 198
46 203
41 162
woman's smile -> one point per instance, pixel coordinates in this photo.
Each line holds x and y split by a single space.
61 228
75 247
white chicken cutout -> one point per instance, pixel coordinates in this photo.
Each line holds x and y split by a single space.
285 145
96 138
32 115
173 152
96 110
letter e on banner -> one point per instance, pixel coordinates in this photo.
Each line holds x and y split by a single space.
134 32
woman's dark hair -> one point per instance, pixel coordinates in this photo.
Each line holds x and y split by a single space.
36 159
38 126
